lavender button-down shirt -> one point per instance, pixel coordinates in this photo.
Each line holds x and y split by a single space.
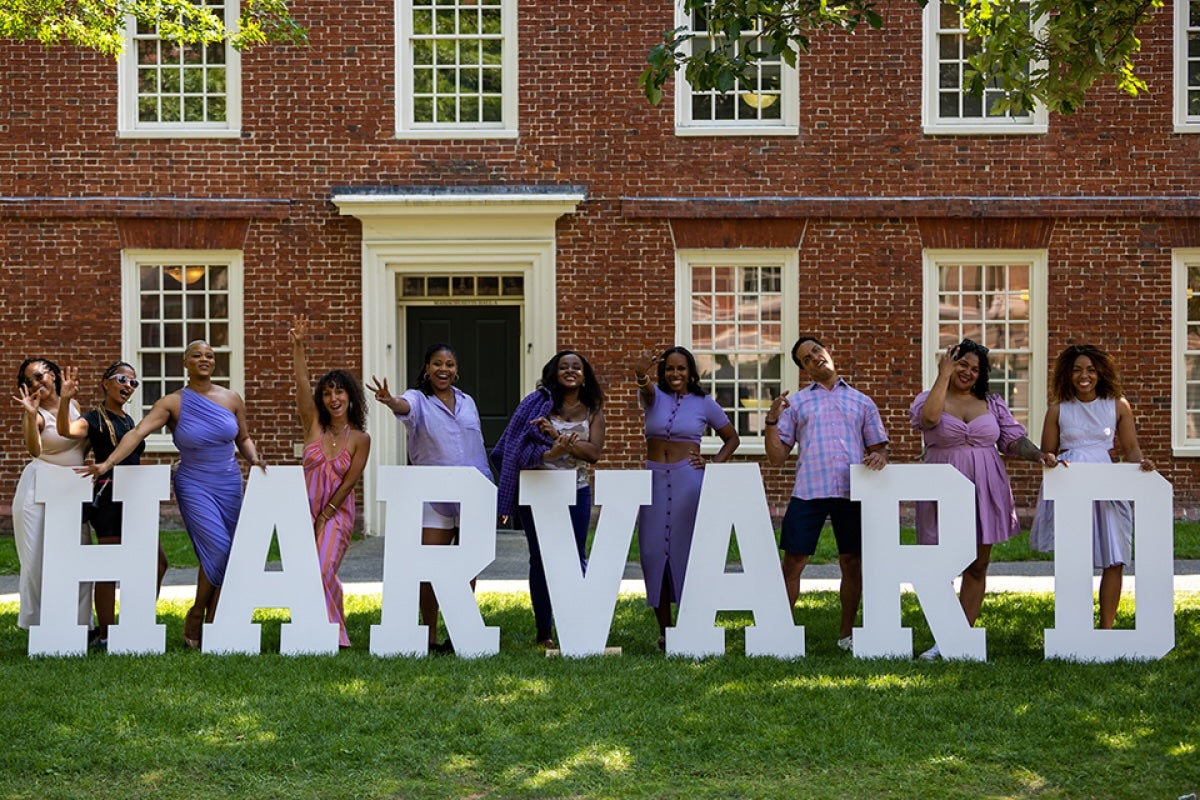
440 437
834 428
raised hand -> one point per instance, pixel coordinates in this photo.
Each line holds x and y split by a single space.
380 389
298 330
70 383
29 400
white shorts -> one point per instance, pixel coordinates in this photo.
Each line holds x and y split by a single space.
432 519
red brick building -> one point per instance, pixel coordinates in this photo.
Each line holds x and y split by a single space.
487 171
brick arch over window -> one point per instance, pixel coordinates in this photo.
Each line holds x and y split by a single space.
719 234
183 234
985 234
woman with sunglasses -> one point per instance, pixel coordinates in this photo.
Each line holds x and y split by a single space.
208 424
969 427
103 427
39 381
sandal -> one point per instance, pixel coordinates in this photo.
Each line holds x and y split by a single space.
193 627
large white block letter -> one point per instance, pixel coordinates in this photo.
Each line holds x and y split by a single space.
1074 635
583 604
276 503
732 498
930 568
68 561
406 562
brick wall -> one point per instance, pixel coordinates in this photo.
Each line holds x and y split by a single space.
322 116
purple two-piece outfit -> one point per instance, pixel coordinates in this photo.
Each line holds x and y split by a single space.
665 526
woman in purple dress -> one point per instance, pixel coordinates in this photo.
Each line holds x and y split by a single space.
677 413
1086 414
965 425
208 422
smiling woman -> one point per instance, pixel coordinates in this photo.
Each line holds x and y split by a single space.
336 446
208 422
444 430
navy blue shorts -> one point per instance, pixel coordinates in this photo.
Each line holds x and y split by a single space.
804 520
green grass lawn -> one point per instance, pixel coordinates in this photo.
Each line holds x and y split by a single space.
192 726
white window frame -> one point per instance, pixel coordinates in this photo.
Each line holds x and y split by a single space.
788 123
128 124
131 317
1184 122
789 262
933 123
1038 359
407 128
1181 259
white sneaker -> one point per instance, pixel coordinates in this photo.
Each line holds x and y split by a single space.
932 654
846 643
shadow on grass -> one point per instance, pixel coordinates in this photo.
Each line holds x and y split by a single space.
639 725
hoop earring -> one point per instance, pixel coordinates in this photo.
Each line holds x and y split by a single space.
456 377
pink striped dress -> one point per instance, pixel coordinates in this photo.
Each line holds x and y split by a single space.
323 476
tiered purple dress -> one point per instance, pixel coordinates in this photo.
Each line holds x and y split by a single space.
971 447
208 481
1085 435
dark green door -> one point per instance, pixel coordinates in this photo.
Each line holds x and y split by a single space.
488 342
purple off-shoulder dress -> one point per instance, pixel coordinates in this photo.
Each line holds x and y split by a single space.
208 481
971 447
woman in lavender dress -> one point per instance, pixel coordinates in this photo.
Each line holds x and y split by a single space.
444 430
965 425
1087 413
208 423
677 414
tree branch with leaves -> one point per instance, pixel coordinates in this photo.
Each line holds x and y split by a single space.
1036 51
100 24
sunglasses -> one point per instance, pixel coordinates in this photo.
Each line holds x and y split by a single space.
125 380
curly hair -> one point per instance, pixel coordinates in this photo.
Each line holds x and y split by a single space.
50 365
966 346
421 379
693 381
356 414
1061 387
591 393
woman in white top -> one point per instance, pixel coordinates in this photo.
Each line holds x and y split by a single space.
560 425
1086 413
39 382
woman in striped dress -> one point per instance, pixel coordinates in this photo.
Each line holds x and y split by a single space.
336 446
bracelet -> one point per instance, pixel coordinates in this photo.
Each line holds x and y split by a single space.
332 508
643 381
772 421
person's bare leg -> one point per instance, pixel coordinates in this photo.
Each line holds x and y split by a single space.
793 566
1110 594
428 599
851 590
974 583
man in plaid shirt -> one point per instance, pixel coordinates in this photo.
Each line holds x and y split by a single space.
835 426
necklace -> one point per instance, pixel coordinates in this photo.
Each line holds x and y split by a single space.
336 436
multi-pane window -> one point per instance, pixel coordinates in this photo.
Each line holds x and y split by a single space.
178 298
998 302
457 66
1186 397
170 88
764 102
946 107
1187 65
734 325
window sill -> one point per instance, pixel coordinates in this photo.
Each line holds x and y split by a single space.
977 129
732 130
179 133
